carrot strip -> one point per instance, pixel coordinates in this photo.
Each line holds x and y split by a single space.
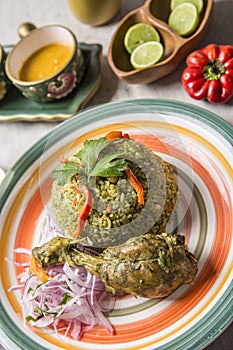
85 209
135 184
37 271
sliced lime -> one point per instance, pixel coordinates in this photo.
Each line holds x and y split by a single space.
184 18
197 3
138 34
146 54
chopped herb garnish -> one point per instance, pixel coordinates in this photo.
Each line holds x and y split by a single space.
65 298
90 164
30 318
40 315
38 310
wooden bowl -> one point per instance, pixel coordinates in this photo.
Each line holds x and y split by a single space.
155 13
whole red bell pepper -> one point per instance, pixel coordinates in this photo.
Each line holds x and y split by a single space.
209 73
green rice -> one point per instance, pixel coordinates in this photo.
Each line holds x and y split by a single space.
116 215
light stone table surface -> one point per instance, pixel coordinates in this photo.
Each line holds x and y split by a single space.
16 137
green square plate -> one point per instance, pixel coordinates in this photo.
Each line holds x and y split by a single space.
17 107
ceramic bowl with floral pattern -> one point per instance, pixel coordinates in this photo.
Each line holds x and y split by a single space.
4 81
27 65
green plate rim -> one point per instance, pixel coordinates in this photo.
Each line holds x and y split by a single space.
216 319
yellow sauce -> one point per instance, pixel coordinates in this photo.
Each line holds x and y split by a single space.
45 62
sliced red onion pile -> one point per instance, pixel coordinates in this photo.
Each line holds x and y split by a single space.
72 301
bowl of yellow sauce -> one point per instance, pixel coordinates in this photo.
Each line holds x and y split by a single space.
46 64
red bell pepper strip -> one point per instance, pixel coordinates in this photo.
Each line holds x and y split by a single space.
131 177
63 160
209 73
112 135
84 210
36 270
135 184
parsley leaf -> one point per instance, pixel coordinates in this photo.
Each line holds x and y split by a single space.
106 166
65 171
91 163
89 154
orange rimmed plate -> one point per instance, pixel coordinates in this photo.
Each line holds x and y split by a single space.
199 145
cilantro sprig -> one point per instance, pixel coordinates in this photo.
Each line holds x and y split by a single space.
89 163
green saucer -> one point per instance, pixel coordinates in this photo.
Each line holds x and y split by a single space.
17 107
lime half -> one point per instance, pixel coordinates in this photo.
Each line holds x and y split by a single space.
147 54
197 3
184 18
138 34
